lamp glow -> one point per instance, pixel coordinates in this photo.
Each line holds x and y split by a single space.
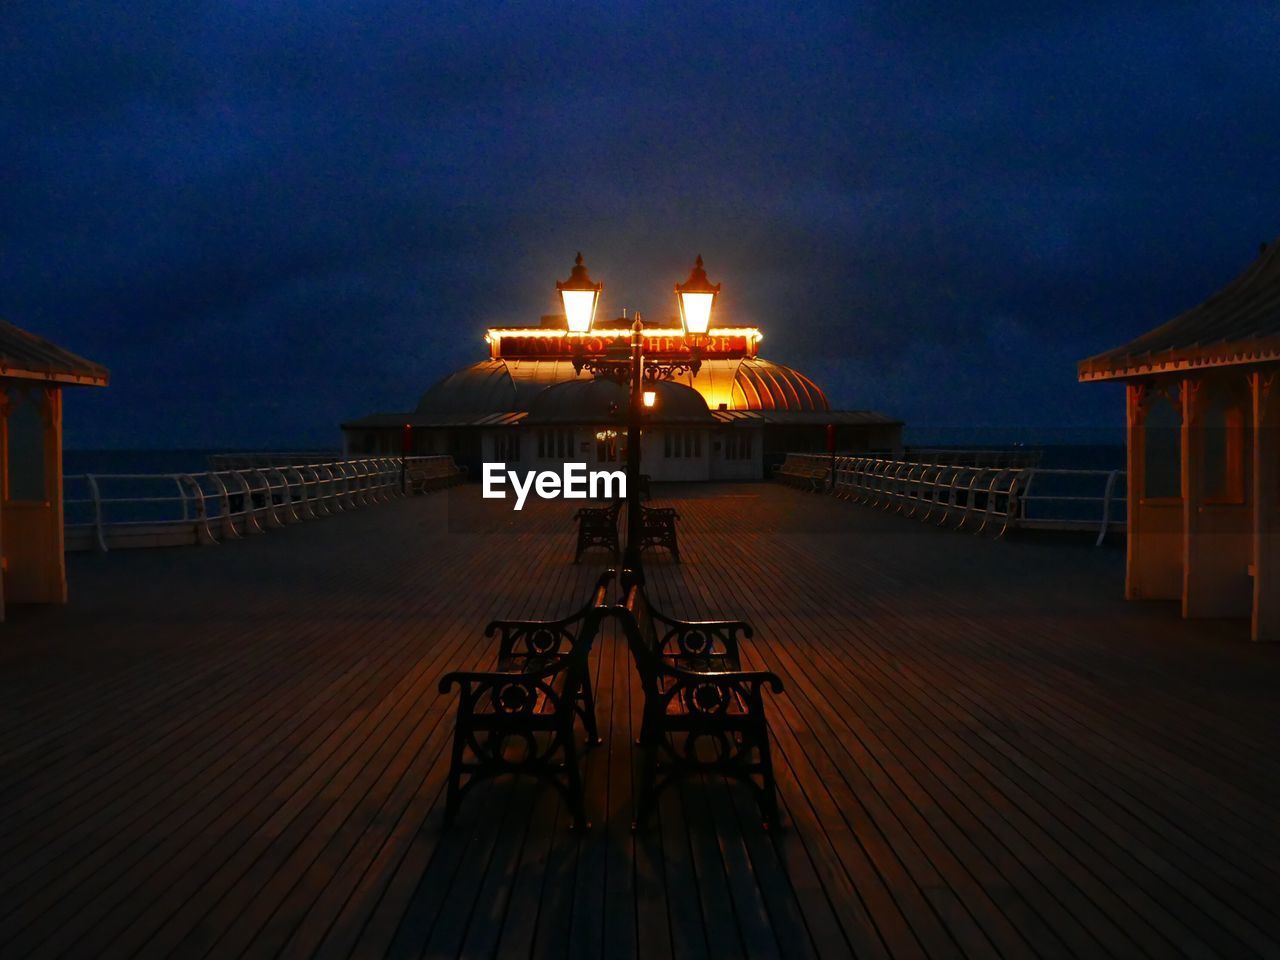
579 309
650 398
696 309
580 297
696 298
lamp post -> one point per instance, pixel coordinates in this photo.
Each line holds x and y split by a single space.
635 409
696 299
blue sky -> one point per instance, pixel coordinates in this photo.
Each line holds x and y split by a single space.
268 217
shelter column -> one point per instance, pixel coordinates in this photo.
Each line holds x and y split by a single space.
1192 458
53 437
4 469
1266 506
1134 392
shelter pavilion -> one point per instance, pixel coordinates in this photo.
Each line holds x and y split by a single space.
33 372
1203 421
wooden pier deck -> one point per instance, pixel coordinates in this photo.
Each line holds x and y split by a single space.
982 751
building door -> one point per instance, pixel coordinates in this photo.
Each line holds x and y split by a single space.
32 495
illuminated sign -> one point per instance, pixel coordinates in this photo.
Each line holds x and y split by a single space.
556 345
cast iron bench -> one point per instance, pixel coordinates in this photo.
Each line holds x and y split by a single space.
702 712
658 529
598 527
803 474
435 474
519 718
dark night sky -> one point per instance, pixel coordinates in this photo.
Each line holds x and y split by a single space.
266 217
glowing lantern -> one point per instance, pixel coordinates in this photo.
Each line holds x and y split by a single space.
580 297
696 297
650 398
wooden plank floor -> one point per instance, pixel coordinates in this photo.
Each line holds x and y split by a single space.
982 751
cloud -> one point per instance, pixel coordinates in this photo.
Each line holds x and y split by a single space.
268 217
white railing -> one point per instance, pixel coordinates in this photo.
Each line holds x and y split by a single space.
109 511
963 496
976 456
1080 499
265 458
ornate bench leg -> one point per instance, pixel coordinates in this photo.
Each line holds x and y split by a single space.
588 709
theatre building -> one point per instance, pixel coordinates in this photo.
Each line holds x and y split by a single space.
527 405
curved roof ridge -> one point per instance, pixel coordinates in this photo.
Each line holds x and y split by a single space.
1238 323
25 355
483 386
778 387
496 385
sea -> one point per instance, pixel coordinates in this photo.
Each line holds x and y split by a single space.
159 497
1097 456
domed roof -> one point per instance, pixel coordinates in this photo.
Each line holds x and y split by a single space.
506 386
602 400
753 383
494 386
764 385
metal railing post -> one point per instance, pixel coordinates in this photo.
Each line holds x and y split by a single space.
1107 493
204 535
100 539
229 531
251 524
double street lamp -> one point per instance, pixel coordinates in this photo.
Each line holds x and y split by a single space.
696 299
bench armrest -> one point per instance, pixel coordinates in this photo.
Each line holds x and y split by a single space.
733 626
699 638
750 682
660 512
476 682
545 637
533 637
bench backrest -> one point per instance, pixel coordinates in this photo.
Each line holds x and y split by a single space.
576 658
642 633
600 516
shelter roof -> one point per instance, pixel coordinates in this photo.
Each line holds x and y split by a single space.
1238 324
25 356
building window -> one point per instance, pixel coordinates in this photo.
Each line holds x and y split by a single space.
737 446
506 447
1162 442
1225 444
555 444
681 444
26 445
607 446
